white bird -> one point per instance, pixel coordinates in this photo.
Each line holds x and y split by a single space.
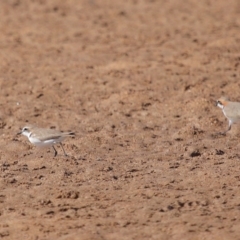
231 110
43 137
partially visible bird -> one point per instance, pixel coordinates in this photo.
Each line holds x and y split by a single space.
231 110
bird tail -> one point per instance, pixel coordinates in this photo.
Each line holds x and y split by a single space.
71 134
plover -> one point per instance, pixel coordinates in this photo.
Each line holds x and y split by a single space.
43 137
231 110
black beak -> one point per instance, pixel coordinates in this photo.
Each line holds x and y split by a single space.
19 133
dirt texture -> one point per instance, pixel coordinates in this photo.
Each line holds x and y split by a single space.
136 80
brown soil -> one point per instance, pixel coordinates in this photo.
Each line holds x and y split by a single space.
136 80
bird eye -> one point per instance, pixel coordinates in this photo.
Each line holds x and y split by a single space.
24 129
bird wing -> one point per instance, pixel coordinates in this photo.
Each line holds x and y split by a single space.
233 112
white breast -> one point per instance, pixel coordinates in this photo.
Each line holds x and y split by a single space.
40 143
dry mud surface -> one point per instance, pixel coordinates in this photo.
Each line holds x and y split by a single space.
136 80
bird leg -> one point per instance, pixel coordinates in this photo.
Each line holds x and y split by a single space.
63 149
55 151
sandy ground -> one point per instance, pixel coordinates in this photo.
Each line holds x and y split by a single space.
136 80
